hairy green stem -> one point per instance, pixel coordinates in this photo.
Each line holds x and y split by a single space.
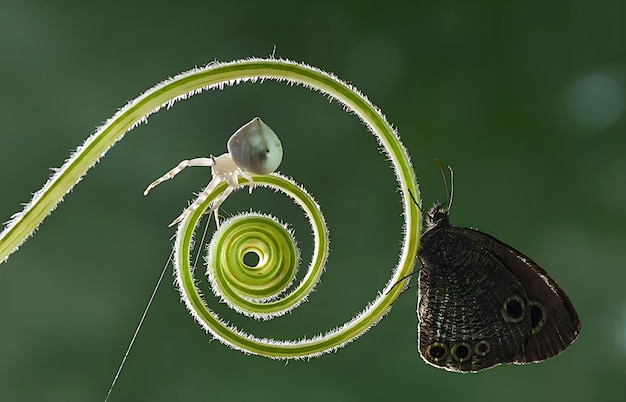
216 75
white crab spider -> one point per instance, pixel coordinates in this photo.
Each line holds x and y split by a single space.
253 149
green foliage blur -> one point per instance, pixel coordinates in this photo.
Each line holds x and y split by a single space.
526 100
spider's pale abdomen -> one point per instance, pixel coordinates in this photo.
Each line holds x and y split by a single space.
255 148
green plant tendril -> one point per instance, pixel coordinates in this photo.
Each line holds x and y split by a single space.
217 75
259 235
255 291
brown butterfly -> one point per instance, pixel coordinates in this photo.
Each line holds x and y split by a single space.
482 303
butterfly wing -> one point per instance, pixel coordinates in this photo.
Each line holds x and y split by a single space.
482 303
554 321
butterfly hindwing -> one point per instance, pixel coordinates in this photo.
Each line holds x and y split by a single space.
554 321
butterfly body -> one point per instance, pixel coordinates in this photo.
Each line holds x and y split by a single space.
482 303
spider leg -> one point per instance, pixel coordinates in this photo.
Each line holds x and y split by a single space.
190 162
202 197
246 175
216 204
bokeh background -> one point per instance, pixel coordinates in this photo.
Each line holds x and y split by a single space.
526 100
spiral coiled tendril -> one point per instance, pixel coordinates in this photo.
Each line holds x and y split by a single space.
247 284
259 291
251 300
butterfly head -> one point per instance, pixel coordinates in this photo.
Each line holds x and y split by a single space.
437 216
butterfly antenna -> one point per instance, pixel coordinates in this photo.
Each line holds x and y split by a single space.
451 187
449 190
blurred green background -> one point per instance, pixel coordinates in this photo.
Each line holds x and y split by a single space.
526 101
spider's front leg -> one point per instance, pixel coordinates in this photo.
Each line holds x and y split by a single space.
214 206
253 149
179 168
232 186
224 169
247 176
